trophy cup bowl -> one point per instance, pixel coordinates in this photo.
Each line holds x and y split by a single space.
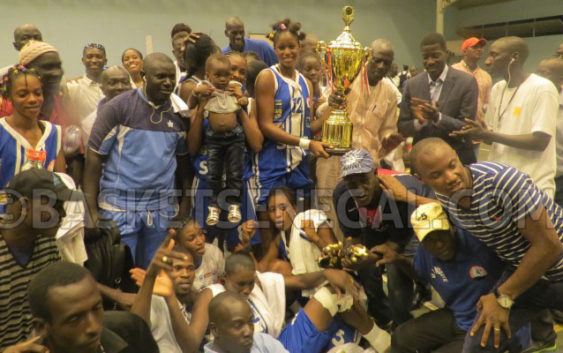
343 58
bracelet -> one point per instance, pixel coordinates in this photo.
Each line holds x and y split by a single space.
304 143
379 339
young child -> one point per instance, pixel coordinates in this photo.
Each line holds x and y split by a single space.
219 99
310 66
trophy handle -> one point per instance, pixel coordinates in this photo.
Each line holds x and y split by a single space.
321 50
367 53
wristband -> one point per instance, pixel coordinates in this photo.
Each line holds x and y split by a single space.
379 339
304 143
328 300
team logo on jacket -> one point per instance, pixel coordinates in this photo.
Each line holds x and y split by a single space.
477 272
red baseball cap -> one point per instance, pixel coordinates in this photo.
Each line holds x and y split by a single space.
471 42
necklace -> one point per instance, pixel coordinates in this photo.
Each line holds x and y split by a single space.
155 108
160 115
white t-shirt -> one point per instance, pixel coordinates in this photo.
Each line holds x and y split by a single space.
70 235
559 142
267 302
161 325
302 252
532 107
84 94
211 268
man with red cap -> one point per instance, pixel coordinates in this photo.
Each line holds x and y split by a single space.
472 49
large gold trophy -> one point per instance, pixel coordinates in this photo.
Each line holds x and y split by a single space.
343 58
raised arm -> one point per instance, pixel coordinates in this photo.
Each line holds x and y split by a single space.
142 304
192 334
186 90
188 335
194 133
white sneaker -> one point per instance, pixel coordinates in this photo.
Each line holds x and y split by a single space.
213 216
234 214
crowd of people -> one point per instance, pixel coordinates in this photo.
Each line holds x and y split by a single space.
188 203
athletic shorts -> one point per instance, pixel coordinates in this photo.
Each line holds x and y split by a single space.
298 180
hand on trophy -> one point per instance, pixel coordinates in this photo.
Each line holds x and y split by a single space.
337 100
317 148
423 110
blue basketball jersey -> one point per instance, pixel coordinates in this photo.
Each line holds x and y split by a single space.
292 114
14 149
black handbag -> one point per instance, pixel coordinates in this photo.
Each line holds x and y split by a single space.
109 260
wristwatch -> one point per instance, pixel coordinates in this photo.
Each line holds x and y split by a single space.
504 300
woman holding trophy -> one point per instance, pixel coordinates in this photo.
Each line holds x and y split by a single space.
283 99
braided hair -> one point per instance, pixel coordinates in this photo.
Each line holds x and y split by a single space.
14 72
196 54
283 26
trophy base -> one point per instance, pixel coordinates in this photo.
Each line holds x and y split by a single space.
337 151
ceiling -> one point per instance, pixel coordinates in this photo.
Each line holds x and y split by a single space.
533 27
462 4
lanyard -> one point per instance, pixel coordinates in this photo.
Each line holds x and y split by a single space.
501 112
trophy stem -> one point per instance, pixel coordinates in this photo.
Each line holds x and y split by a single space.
337 131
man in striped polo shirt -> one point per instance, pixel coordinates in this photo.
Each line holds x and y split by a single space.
503 208
27 244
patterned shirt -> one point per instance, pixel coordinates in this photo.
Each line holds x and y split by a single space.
501 198
15 313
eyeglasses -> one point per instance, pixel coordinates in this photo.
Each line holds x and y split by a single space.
95 45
